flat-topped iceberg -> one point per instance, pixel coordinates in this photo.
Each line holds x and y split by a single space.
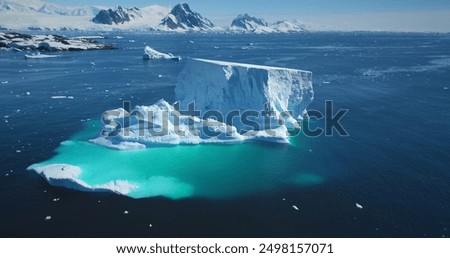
151 54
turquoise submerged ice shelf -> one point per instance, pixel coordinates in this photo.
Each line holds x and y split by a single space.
208 170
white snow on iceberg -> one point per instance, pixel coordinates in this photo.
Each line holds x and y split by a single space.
151 54
67 176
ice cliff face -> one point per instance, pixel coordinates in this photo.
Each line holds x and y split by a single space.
227 86
183 18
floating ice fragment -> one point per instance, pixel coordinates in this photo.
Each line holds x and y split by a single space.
56 200
39 56
125 212
28 93
18 151
295 207
62 97
359 206
445 88
4 82
152 54
48 218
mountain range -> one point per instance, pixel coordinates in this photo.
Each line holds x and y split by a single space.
40 15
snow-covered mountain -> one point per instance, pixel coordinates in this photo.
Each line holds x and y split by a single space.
250 24
41 15
288 26
247 23
181 17
38 6
119 15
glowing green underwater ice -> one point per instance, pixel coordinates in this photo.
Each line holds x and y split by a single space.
207 170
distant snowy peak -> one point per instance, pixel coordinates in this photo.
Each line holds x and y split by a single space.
288 26
119 15
250 24
181 17
33 6
52 9
20 6
247 22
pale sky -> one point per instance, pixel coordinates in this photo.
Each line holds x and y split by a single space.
390 15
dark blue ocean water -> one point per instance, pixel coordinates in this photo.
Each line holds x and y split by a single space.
395 163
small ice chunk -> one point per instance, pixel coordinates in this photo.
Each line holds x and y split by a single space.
4 82
62 97
326 82
359 206
56 199
160 76
28 93
48 218
125 212
445 88
295 207
150 225
191 41
18 151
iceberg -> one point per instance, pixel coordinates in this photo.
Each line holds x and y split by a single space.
232 103
274 94
151 54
